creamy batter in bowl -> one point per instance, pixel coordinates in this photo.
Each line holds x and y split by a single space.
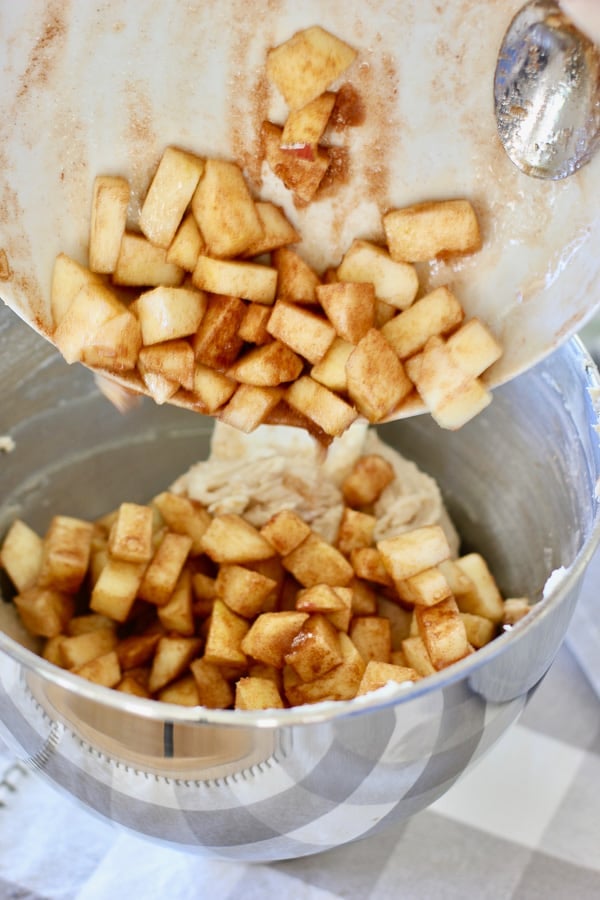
520 484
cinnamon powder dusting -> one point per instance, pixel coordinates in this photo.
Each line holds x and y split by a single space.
348 110
5 271
46 50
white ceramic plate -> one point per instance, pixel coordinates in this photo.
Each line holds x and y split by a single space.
103 87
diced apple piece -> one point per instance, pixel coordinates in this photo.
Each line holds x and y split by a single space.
225 211
169 195
187 245
44 611
217 341
250 406
159 387
173 656
417 656
212 389
400 620
80 649
372 637
473 347
305 332
369 477
425 588
443 632
330 371
177 613
515 608
214 691
94 305
367 563
230 539
110 202
253 327
267 366
21 555
104 670
285 530
142 264
484 597
296 280
162 575
304 127
341 683
184 516
115 591
333 602
257 693
434 314
248 280
225 638
394 282
137 649
356 530
244 591
480 631
130 685
68 277
301 176
66 552
329 411
377 674
271 634
277 230
305 65
167 313
171 359
315 561
115 345
183 692
414 551
377 382
350 307
315 650
131 535
429 230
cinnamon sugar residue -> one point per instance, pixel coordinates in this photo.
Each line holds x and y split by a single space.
348 110
5 270
47 48
338 173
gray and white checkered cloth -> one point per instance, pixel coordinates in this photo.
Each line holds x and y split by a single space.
525 824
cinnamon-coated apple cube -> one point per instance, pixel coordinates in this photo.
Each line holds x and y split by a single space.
183 692
383 313
377 674
318 403
169 195
304 127
212 389
160 388
315 561
217 341
44 611
455 411
253 327
417 656
267 366
484 597
414 551
68 277
458 581
110 203
300 175
366 481
225 638
142 264
168 313
250 406
364 598
171 359
372 637
367 563
296 280
396 283
434 314
162 575
356 529
341 683
172 657
187 245
214 691
248 280
225 211
88 622
51 651
473 347
350 307
285 530
21 555
104 670
429 230
131 535
115 590
514 609
426 588
277 230
315 650
93 306
131 685
257 693
333 602
244 591
177 613
115 345
443 632
184 516
81 648
66 549
137 649
480 631
307 64
271 634
377 381
231 539
307 333
330 371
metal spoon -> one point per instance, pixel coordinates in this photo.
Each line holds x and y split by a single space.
547 93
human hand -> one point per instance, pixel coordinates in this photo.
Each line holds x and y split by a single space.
585 14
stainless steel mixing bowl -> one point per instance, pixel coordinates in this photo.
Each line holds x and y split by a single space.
520 482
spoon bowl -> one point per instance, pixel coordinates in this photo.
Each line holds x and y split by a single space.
547 93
